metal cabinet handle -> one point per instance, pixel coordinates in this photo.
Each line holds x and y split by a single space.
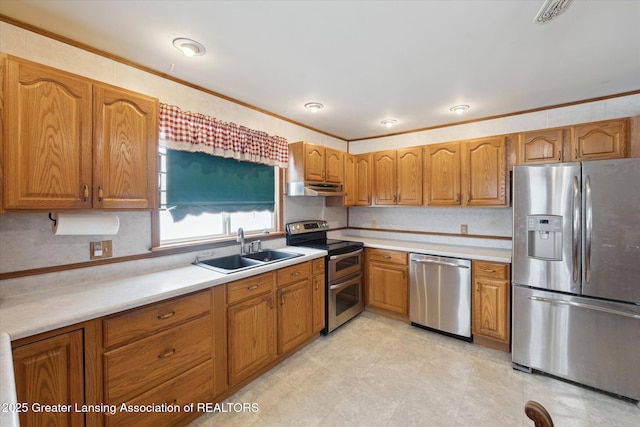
251 288
166 315
559 155
281 297
167 354
457 198
271 303
295 274
85 193
100 193
488 271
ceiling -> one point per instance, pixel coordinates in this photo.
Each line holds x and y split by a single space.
367 61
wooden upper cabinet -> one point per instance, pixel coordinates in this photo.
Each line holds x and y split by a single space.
544 146
350 180
315 163
600 140
364 168
442 174
71 143
484 170
47 144
409 176
334 166
397 177
125 135
384 177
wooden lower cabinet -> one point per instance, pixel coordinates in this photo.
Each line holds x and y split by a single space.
491 319
51 372
387 280
319 297
294 301
251 336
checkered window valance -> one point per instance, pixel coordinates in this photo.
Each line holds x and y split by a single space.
187 131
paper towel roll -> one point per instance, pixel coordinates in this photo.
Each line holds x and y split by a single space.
68 224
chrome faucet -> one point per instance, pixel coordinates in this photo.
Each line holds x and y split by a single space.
240 239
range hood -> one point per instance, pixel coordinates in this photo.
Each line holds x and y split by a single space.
314 189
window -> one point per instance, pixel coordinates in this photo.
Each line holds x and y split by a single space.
207 197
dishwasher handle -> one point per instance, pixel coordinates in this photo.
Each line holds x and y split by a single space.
433 261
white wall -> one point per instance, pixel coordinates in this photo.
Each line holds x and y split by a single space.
26 240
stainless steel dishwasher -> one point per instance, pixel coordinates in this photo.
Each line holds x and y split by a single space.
440 294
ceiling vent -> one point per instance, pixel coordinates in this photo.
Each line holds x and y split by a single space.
550 9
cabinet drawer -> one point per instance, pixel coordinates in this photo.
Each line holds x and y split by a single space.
393 257
242 289
294 273
317 266
195 385
136 367
496 270
146 320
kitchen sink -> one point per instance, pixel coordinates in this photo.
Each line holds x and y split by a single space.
234 263
271 256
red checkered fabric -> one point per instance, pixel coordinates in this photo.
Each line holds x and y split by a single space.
187 131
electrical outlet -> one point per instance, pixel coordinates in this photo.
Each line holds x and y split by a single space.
101 249
374 223
464 229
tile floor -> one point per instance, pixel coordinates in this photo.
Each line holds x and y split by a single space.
376 371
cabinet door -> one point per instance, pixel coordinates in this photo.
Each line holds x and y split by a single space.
251 336
334 166
314 163
47 149
126 149
484 169
363 176
294 315
350 181
490 308
318 302
384 177
540 147
387 287
51 372
442 174
597 141
409 172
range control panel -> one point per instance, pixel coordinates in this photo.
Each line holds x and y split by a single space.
306 226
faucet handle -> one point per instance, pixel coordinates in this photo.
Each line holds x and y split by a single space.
254 244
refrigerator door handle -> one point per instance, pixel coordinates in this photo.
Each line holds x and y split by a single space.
586 306
576 228
588 219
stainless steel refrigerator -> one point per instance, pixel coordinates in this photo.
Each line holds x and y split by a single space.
576 272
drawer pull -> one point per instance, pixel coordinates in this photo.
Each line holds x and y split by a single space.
166 315
167 354
387 256
295 274
251 288
488 271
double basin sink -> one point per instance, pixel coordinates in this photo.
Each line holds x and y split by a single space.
235 263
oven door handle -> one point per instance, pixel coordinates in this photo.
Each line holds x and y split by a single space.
345 284
348 254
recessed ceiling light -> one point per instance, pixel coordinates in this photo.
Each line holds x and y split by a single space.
189 47
388 122
313 106
459 109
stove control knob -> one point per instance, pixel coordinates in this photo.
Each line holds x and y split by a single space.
325 225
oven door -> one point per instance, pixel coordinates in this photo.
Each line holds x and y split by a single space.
344 265
345 301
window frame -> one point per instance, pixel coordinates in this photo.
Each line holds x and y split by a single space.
207 243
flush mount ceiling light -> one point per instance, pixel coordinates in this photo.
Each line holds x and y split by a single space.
189 47
459 109
388 122
313 106
551 9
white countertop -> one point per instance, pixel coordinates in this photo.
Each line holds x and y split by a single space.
438 249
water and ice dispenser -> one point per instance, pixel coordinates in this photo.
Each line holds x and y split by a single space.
544 237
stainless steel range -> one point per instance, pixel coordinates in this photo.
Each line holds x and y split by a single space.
343 266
